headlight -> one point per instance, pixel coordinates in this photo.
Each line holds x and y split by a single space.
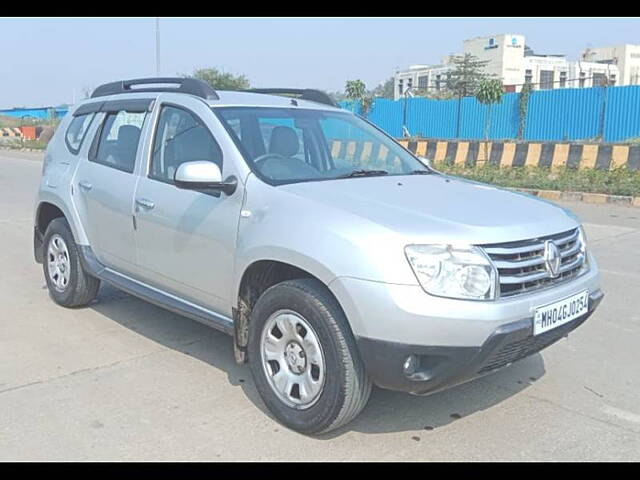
582 238
453 271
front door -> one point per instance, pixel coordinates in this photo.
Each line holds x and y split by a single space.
185 238
105 183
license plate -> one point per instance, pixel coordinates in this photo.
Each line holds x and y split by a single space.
561 312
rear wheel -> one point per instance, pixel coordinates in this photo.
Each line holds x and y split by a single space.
68 283
304 359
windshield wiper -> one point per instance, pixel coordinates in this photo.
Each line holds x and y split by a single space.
421 172
364 173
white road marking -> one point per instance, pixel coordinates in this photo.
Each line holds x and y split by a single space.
623 414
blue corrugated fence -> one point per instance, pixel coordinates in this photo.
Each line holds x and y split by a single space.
611 113
39 113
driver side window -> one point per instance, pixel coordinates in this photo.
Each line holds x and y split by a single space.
180 137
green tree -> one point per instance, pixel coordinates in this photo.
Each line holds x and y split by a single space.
356 91
489 92
467 74
221 80
443 94
385 89
523 106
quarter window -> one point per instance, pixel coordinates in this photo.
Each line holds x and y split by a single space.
119 138
76 132
180 137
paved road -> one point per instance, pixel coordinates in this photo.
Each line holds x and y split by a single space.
124 380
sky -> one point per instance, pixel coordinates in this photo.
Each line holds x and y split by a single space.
50 61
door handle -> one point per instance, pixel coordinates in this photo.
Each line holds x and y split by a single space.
86 186
144 203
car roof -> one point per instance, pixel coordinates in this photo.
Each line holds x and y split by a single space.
251 99
226 98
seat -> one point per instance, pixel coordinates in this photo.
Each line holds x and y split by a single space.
126 146
284 141
188 146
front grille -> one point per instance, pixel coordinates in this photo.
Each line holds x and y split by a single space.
520 349
521 265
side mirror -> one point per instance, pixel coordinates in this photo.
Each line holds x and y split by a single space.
203 175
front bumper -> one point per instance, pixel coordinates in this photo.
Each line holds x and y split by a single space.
440 367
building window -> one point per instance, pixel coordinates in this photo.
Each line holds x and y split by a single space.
400 90
581 80
528 76
423 81
599 80
612 79
438 82
546 79
563 79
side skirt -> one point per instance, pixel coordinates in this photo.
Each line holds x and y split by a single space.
152 295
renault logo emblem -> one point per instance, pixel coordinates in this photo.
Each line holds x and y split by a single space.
552 258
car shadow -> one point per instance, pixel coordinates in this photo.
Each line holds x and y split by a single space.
385 412
389 411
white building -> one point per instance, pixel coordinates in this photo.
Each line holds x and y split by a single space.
505 54
625 57
432 77
512 61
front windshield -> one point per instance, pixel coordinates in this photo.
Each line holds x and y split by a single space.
285 145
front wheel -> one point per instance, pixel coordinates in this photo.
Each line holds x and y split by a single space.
303 357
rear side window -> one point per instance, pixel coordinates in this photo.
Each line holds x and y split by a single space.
77 131
119 138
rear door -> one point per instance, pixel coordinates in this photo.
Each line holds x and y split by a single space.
105 183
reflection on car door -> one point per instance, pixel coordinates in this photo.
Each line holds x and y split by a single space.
105 185
186 239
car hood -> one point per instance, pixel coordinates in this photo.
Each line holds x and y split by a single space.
437 208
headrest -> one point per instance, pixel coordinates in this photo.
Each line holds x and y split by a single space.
284 141
128 135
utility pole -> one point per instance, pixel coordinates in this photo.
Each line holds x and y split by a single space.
157 46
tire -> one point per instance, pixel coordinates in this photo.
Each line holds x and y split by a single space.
80 288
345 386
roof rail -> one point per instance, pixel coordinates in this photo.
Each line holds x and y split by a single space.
191 86
303 93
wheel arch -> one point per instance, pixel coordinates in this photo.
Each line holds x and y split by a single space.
257 277
52 202
46 212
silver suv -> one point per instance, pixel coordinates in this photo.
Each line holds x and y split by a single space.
334 257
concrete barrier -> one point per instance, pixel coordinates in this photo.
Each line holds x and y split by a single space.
10 132
600 156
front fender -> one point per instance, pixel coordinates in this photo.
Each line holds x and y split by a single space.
246 258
